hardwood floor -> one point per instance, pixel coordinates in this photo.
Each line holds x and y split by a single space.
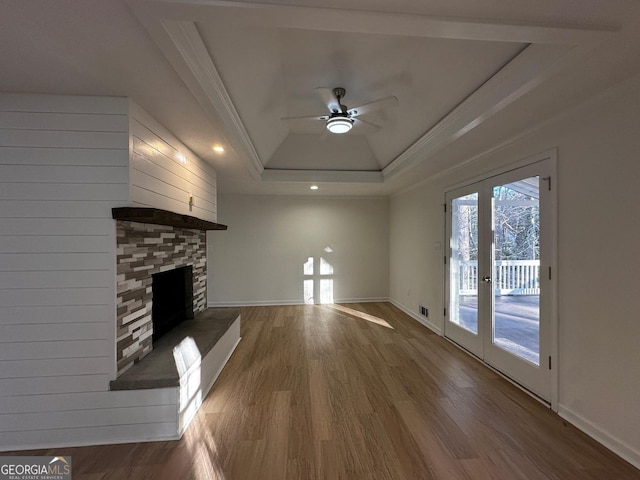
357 392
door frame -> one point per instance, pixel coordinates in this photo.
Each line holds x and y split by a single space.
552 244
471 342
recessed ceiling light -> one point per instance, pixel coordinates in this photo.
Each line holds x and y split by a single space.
314 187
218 149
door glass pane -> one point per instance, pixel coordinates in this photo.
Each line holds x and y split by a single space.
464 263
516 268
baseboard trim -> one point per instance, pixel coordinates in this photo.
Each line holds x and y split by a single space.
278 303
618 447
431 326
88 443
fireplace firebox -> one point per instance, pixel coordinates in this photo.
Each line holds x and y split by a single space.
172 299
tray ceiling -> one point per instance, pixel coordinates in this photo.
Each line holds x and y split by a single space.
469 75
252 64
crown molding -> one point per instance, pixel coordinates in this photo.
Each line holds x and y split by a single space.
321 176
371 22
526 71
189 44
546 48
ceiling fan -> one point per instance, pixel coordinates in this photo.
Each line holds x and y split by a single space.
341 118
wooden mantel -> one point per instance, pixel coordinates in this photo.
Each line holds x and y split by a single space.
156 216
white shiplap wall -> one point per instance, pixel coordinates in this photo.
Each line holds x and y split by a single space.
63 165
65 161
165 174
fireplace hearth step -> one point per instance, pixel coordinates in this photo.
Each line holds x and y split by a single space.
158 369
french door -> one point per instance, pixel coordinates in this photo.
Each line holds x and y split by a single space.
499 277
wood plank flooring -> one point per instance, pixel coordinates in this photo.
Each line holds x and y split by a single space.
357 391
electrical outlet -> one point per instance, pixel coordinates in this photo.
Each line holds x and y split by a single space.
424 311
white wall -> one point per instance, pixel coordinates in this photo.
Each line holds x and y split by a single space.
64 163
165 174
416 254
598 237
260 259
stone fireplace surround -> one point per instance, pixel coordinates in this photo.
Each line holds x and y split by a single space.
182 366
141 251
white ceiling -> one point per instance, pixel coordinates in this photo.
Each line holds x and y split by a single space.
467 74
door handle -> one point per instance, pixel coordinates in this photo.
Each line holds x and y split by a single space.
486 279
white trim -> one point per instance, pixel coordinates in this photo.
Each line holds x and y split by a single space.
191 48
627 452
521 75
550 154
320 176
627 87
431 326
554 328
306 197
171 23
550 157
371 22
276 303
259 303
88 443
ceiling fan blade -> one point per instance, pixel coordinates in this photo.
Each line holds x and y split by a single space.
329 99
372 106
312 117
358 122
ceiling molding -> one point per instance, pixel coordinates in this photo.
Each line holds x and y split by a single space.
321 176
372 22
171 24
521 75
189 44
183 47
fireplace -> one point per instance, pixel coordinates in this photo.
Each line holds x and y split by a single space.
172 299
144 251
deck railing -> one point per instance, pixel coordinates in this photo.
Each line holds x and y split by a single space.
512 277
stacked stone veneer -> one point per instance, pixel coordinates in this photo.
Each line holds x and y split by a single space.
143 250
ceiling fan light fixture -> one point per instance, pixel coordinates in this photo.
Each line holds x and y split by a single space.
339 124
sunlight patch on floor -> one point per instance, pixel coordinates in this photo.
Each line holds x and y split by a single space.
203 453
358 314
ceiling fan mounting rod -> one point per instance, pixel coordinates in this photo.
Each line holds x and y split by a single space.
339 92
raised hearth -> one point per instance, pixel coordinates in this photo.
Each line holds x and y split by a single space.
158 369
